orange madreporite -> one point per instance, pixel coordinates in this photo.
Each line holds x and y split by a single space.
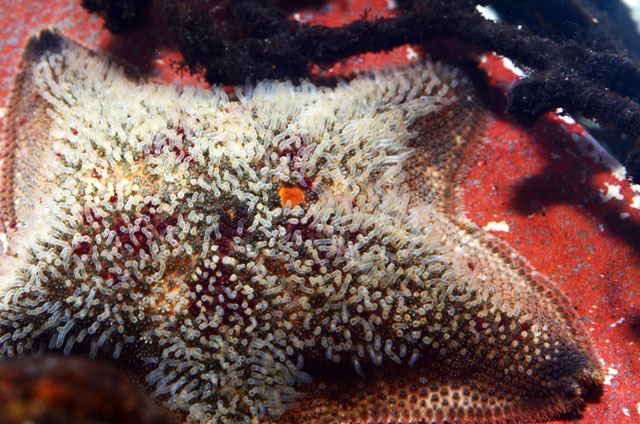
296 255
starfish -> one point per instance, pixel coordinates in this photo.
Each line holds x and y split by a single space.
297 255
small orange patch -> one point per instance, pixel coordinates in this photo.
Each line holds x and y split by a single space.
49 391
291 193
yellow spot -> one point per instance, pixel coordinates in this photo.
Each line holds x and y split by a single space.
291 193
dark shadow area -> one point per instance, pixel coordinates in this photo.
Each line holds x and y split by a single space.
634 324
292 6
141 47
619 145
592 394
571 182
612 29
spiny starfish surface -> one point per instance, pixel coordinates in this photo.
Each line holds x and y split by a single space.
296 256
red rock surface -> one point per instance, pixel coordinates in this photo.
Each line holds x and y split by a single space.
562 200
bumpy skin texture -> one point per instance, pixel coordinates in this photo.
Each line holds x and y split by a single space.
295 256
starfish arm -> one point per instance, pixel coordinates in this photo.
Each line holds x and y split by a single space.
21 177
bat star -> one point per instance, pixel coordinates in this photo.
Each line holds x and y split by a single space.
296 255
